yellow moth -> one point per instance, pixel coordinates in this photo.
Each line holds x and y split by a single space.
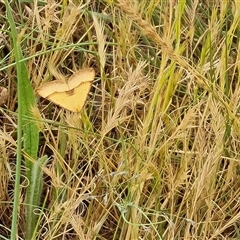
72 94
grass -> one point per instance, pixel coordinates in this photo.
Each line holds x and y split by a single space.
154 152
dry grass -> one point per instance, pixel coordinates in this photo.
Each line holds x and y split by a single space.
155 152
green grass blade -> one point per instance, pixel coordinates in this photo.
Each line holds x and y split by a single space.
26 101
34 195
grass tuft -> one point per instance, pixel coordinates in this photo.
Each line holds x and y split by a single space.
154 154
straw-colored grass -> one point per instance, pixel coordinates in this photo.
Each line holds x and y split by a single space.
154 154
